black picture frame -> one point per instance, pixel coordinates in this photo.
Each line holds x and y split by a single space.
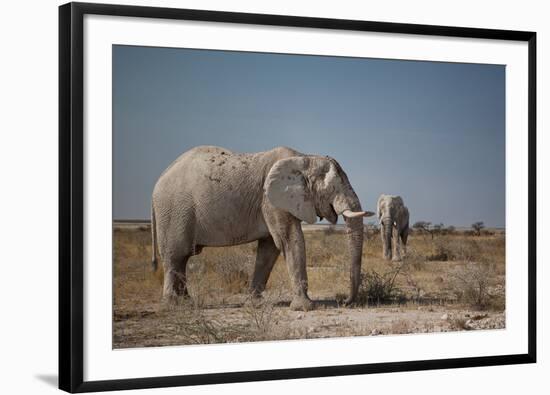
71 173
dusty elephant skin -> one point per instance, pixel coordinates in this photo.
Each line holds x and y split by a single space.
211 196
394 225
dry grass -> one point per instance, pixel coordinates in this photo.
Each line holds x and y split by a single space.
401 327
449 272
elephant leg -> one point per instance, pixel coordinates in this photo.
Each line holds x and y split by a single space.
265 260
294 251
175 278
397 242
404 236
386 242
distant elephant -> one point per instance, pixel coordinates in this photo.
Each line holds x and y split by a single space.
394 224
211 196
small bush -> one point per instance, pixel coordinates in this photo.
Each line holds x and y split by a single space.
379 288
441 251
195 327
471 284
261 315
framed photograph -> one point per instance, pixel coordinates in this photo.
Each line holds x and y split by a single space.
249 197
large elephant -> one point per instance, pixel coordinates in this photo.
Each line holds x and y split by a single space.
394 224
211 196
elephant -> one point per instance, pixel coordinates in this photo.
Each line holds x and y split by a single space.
211 196
394 224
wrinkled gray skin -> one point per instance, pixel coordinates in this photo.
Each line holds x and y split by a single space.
394 225
211 196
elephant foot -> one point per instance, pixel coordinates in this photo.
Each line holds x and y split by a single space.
302 303
255 293
396 259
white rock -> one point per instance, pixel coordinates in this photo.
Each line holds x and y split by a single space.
374 332
445 317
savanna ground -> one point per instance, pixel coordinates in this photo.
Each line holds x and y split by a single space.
447 282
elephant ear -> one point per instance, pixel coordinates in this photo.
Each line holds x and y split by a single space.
286 188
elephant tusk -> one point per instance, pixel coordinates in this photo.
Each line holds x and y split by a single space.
356 214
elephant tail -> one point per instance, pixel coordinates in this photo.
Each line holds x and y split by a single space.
154 260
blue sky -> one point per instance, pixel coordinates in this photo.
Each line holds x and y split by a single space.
431 132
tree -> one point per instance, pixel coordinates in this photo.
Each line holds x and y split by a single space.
423 227
438 228
477 226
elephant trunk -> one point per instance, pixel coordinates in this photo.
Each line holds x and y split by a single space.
387 236
355 241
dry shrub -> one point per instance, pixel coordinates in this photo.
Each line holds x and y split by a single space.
262 315
260 321
195 327
471 284
440 251
379 288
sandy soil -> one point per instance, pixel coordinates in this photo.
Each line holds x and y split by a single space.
161 326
